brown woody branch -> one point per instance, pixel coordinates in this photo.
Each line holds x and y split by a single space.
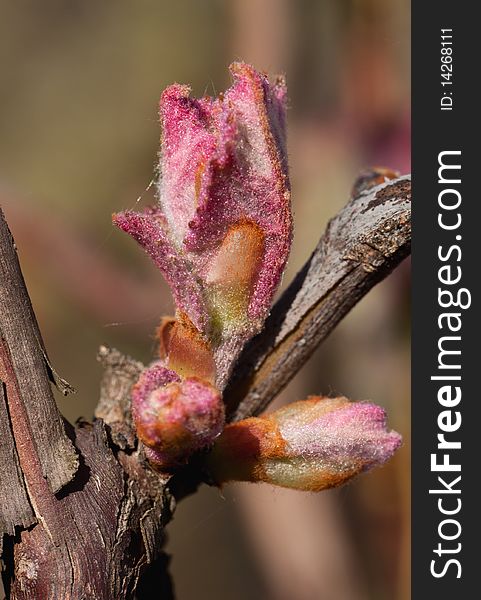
79 516
361 245
26 372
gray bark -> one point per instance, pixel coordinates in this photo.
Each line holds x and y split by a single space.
361 245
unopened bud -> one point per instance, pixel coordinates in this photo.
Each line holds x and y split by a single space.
175 418
308 445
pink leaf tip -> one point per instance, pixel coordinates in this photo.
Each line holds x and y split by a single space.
221 232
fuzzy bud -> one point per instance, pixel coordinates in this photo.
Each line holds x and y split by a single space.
175 418
221 231
309 445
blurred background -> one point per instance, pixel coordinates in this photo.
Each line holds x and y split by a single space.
78 140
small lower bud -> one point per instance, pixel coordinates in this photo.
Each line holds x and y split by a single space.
175 418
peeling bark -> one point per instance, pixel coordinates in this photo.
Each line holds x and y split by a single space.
81 513
23 350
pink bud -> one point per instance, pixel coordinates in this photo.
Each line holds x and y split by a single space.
308 445
221 232
175 418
